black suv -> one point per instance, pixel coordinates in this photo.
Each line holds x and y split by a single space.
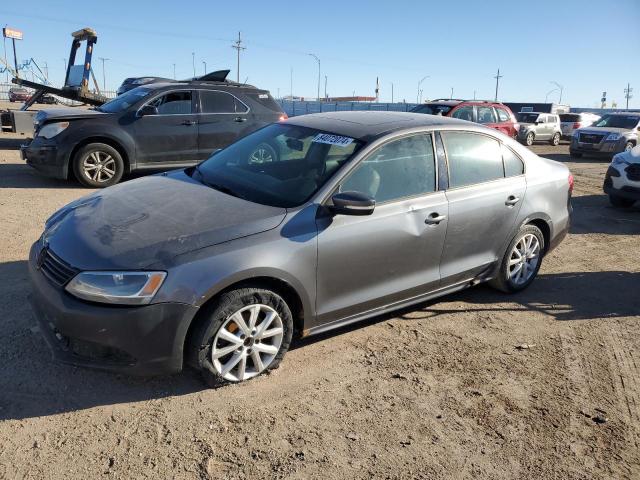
156 126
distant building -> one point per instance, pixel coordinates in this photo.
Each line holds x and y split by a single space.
537 107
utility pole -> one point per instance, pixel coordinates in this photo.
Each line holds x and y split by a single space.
104 76
451 96
420 91
627 94
561 88
205 67
238 46
46 70
391 92
291 84
317 60
193 62
174 71
497 77
325 86
474 94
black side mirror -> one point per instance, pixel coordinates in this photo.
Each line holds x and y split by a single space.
148 110
352 203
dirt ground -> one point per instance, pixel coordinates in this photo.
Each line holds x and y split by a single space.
439 391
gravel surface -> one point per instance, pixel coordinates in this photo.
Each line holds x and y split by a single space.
543 384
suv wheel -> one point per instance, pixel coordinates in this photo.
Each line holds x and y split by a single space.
555 140
522 260
530 138
98 165
628 146
264 153
246 333
620 202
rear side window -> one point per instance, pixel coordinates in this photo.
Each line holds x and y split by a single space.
513 166
266 101
473 158
220 102
173 103
464 113
503 116
399 169
486 115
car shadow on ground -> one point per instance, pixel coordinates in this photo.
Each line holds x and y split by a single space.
33 385
595 214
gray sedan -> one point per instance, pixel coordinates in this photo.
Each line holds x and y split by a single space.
219 266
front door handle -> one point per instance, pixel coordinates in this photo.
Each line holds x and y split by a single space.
240 119
512 200
434 219
189 122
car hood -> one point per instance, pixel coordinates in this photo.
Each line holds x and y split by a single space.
602 130
68 113
151 220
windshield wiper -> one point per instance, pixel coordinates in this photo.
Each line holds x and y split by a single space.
217 186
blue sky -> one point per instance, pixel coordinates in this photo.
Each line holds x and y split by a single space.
587 47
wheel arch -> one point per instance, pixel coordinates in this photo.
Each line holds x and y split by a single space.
112 142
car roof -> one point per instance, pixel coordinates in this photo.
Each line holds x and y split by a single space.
203 85
366 125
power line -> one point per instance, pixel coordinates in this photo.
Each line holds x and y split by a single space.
237 45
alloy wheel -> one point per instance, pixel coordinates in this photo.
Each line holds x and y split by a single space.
99 166
524 259
530 139
261 155
247 342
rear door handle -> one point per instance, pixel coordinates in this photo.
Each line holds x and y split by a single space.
435 218
512 200
189 122
240 119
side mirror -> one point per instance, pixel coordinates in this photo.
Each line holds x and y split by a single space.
148 110
352 203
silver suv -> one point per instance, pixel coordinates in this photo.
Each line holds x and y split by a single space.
536 126
613 133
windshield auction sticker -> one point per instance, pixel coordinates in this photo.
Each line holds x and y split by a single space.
332 139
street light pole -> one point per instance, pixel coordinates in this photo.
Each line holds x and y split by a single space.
317 60
174 71
391 92
325 87
104 76
549 93
205 67
419 91
561 89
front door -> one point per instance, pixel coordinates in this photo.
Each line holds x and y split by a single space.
222 120
394 254
171 135
484 202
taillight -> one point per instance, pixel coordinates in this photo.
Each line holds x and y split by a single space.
570 184
283 117
576 125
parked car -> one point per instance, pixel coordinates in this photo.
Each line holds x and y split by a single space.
19 94
47 99
539 126
218 266
157 126
569 122
492 114
134 82
613 133
622 181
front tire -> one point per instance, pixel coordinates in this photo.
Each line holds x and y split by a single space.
245 333
521 261
98 165
529 139
620 202
555 140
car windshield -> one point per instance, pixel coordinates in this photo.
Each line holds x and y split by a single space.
527 117
432 109
124 101
280 165
618 121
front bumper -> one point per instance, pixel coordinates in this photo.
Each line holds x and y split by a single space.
602 148
45 157
144 340
618 185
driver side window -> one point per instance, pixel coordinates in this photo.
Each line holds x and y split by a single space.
173 103
399 169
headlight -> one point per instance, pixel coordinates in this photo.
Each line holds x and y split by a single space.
127 288
612 137
52 129
619 160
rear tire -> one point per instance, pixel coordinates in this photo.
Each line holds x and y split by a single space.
222 338
98 165
555 140
620 202
521 261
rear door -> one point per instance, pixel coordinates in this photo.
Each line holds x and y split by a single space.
505 124
223 119
365 262
171 136
483 203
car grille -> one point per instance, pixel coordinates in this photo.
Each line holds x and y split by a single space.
54 268
633 172
590 138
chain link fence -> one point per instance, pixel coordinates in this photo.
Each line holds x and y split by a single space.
5 87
